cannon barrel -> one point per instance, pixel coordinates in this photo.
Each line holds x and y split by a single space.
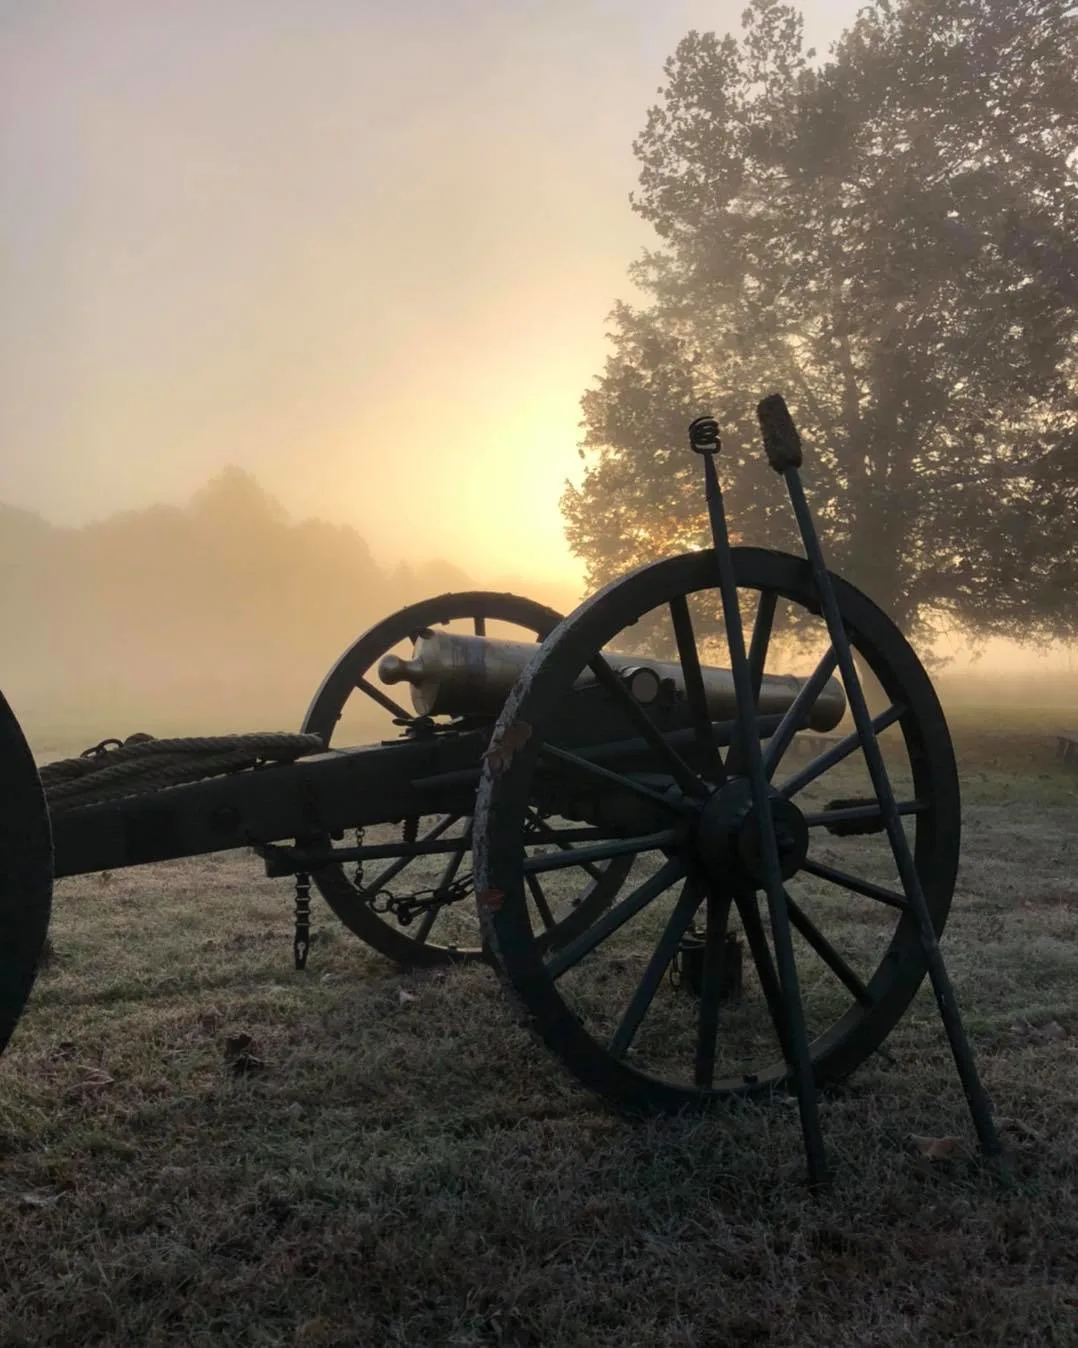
458 675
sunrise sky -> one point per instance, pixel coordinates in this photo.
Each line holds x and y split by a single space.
364 250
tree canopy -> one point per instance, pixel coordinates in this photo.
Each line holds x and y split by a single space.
889 237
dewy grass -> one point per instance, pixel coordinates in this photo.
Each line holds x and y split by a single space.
200 1146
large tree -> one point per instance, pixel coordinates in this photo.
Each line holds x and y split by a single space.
890 238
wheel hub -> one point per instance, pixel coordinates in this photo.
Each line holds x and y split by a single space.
728 836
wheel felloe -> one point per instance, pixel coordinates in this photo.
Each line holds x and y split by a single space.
25 872
625 1044
408 924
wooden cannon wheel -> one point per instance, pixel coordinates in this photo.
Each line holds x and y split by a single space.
604 1002
25 872
449 932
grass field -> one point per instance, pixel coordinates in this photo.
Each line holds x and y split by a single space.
199 1145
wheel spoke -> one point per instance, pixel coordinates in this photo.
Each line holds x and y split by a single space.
391 872
384 700
707 1029
765 966
796 715
616 847
761 640
677 924
676 765
854 884
616 917
694 689
673 805
547 834
569 839
827 952
532 881
850 813
825 761
454 862
448 876
426 922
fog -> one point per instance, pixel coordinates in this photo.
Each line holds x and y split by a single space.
220 614
364 253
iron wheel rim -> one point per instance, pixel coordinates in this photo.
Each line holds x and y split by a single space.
895 981
323 715
25 872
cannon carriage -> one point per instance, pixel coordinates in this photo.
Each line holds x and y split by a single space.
600 807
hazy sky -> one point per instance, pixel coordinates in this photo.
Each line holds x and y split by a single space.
364 249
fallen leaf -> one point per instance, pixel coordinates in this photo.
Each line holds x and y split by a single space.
935 1148
38 1200
209 1022
239 1054
96 1076
236 1045
94 1079
404 997
1019 1126
1053 1030
245 1064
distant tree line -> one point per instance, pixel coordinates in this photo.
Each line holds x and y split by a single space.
221 605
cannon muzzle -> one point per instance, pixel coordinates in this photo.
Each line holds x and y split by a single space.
472 676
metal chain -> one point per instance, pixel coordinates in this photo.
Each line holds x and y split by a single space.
357 879
301 941
407 907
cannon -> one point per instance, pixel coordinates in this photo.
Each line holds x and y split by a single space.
599 809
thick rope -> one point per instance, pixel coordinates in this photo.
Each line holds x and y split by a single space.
141 764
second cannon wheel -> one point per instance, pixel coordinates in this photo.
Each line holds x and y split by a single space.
377 903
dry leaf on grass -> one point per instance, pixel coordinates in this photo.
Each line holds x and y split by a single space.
1024 1029
1053 1030
936 1148
39 1199
404 997
93 1080
209 1022
238 1053
246 1064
